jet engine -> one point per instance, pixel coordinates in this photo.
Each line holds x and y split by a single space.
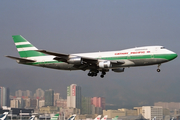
105 64
118 70
75 60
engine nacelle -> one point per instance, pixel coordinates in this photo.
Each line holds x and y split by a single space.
105 64
118 70
75 60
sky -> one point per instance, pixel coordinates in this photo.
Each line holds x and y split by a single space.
78 26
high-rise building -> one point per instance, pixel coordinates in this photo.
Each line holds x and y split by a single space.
49 97
19 93
17 103
86 105
99 102
41 103
28 93
149 112
39 93
74 96
56 98
4 97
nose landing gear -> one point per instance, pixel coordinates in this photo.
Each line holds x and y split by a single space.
158 70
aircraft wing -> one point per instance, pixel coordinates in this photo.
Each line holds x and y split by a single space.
21 59
87 61
64 57
59 56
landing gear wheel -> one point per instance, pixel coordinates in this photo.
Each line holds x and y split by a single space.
89 74
104 73
102 76
158 70
92 73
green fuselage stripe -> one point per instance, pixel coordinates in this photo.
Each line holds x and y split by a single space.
162 56
158 56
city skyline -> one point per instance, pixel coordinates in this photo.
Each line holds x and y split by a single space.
88 26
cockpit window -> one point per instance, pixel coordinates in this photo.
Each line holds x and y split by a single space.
162 47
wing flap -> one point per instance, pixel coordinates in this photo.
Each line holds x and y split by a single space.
21 59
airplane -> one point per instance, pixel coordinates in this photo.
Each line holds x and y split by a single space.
32 117
3 116
95 62
98 117
105 117
115 118
72 117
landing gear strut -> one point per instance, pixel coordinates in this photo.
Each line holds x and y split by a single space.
93 73
158 70
103 73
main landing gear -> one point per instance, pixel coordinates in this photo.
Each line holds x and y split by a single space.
103 73
93 73
158 70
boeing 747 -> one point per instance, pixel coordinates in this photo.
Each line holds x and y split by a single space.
95 62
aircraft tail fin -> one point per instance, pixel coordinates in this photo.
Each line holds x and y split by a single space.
115 118
98 117
25 48
32 117
72 117
55 117
3 116
105 117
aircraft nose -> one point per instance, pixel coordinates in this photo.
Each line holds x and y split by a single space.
173 56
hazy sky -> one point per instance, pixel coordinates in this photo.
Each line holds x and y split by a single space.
75 26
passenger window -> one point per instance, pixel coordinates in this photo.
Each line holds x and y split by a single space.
162 47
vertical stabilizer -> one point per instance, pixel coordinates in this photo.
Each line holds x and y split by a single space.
55 117
98 117
3 116
104 118
32 117
115 118
72 117
25 48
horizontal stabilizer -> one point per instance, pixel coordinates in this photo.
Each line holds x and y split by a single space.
21 59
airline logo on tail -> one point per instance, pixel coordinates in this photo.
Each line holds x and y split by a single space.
72 117
98 117
3 116
115 118
55 117
32 117
104 118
